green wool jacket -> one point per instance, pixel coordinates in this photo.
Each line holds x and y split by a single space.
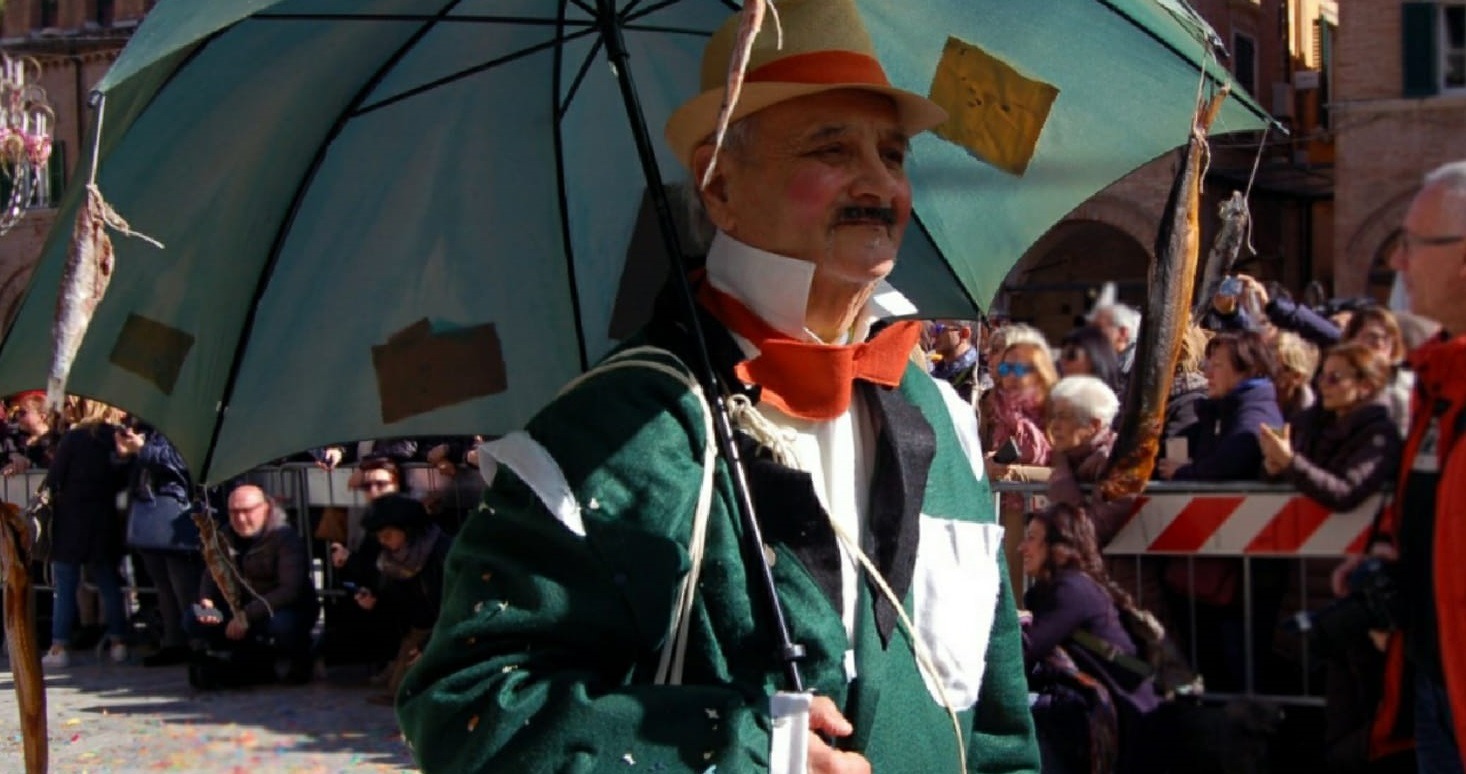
544 656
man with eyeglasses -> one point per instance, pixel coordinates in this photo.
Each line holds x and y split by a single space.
1427 523
278 597
952 339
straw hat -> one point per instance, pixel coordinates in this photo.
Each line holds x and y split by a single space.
825 48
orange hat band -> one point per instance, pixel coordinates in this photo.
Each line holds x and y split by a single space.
822 67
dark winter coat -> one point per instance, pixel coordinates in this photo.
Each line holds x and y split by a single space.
1070 602
1187 390
1341 461
1313 327
275 567
160 485
418 599
1224 445
84 480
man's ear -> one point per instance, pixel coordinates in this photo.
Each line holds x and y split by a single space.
715 194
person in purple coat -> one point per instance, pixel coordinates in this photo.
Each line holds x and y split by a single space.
1071 595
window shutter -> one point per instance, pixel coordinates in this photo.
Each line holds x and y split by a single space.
1420 46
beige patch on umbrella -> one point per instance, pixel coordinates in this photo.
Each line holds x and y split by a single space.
993 110
151 350
421 370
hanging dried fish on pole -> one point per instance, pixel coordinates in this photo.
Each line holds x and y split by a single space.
1167 313
1224 249
749 24
83 284
221 566
16 543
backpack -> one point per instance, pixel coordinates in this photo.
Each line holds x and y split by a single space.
1157 657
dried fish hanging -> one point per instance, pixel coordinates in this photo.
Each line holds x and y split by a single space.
26 123
88 271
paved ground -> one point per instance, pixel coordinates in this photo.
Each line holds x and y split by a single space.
105 718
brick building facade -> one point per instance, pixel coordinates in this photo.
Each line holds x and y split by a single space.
74 42
1400 110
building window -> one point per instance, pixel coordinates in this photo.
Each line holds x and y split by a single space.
1244 61
1453 46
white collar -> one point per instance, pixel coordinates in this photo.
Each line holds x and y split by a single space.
776 288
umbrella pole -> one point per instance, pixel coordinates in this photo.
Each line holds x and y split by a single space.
789 652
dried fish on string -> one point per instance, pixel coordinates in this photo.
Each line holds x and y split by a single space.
1224 249
16 543
1168 312
83 284
750 22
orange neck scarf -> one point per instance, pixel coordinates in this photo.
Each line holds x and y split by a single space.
804 379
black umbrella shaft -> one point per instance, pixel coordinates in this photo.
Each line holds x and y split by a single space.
753 544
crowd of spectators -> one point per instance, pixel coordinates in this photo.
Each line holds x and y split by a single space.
1266 390
123 519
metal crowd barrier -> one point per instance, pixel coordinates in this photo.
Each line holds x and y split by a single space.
1251 522
302 489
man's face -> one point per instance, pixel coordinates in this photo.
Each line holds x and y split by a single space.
1431 252
821 179
947 337
248 511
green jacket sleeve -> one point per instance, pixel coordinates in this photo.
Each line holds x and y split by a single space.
540 660
1002 725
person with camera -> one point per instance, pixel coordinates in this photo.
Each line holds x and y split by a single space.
1426 662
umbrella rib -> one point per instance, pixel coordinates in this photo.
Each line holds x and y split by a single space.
558 142
669 30
278 243
409 17
1201 68
564 107
471 71
627 15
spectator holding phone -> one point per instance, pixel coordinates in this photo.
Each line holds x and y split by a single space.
409 589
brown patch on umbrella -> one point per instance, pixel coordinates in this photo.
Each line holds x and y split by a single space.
421 370
152 350
993 110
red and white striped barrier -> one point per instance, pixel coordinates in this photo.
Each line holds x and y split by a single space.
1287 524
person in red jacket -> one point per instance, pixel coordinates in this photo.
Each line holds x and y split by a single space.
1426 657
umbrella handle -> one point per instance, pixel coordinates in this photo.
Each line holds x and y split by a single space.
788 651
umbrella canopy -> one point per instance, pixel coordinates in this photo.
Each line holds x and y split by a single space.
414 217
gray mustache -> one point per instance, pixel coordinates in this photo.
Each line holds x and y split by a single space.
884 215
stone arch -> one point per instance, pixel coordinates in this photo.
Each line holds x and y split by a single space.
1369 243
1106 239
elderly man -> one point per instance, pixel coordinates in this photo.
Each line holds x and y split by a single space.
279 601
600 610
1425 523
1120 322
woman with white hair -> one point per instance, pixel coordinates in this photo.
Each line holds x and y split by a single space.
1081 413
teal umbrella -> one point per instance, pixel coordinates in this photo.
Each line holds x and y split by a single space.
413 217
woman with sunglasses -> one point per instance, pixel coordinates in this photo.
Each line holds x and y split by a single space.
1376 327
350 628
1346 447
1014 410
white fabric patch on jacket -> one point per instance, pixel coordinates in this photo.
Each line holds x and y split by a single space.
964 421
954 594
789 732
533 464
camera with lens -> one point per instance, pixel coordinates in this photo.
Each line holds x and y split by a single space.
1372 603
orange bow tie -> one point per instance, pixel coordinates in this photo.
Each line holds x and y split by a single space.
804 379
